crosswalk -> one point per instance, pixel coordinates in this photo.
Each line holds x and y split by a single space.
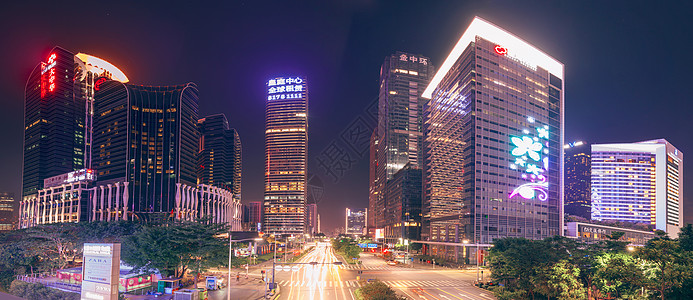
392 283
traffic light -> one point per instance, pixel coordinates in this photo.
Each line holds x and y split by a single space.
262 271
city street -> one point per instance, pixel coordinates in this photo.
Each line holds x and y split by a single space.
329 281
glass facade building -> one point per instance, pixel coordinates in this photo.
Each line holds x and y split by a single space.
219 157
8 215
578 176
494 142
638 182
145 136
403 213
54 121
286 150
355 223
403 78
58 116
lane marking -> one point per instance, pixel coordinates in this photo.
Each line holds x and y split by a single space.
429 294
444 291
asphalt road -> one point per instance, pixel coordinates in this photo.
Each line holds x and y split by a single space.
329 281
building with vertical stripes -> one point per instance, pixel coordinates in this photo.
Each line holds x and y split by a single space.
638 182
219 157
493 165
403 78
286 151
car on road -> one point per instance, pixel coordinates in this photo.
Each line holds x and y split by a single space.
391 262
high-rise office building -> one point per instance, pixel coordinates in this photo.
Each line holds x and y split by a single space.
638 182
355 222
219 157
255 215
286 149
57 115
312 218
494 137
146 147
372 177
8 215
403 78
577 181
403 212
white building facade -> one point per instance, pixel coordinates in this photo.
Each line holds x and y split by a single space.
638 182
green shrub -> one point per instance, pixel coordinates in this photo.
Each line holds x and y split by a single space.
39 291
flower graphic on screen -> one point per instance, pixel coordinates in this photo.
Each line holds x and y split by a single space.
531 168
543 133
526 145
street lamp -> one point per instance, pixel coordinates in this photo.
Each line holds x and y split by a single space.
231 241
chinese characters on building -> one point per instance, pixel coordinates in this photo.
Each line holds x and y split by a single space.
412 58
285 88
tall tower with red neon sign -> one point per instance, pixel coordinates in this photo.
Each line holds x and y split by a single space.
57 115
494 142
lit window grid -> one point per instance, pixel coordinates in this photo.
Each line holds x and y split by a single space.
285 161
531 88
626 191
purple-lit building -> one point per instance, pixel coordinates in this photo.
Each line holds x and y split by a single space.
493 143
286 150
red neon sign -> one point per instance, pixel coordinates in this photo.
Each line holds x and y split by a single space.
501 50
97 84
48 84
51 72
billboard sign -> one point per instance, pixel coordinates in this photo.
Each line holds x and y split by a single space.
100 271
379 233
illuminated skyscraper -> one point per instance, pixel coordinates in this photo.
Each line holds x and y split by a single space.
638 182
403 78
494 137
147 141
8 214
57 115
373 185
577 181
355 223
57 93
403 212
219 157
286 149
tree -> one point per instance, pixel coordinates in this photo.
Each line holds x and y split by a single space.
56 244
352 251
204 250
564 281
523 264
152 248
377 290
176 248
39 291
618 275
667 267
686 237
107 232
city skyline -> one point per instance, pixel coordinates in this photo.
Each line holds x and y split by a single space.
601 81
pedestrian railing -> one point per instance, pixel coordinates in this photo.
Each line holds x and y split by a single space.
34 278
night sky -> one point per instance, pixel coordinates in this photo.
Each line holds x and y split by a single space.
628 70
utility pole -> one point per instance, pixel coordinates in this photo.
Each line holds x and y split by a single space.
228 279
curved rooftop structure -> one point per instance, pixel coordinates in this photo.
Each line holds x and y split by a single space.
93 62
514 46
